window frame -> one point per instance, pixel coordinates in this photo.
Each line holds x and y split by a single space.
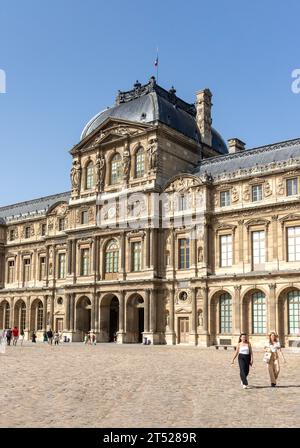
254 189
224 192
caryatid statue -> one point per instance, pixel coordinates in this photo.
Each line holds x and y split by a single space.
100 172
152 154
126 164
76 175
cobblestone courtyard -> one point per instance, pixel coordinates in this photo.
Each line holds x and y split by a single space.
112 385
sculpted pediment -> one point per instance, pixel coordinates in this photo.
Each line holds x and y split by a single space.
182 184
109 131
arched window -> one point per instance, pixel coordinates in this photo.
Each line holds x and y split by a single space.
225 313
294 312
39 324
259 313
112 257
116 169
89 183
7 316
140 163
23 316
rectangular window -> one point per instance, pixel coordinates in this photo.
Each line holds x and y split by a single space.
184 253
11 271
293 246
42 268
44 229
62 266
292 186
256 193
225 198
85 259
27 232
84 217
11 235
182 203
61 224
258 247
226 250
136 257
27 270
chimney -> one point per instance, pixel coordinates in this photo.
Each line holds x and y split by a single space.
235 145
203 117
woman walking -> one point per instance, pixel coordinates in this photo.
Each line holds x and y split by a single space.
33 337
245 358
273 346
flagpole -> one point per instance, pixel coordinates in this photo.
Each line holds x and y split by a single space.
157 65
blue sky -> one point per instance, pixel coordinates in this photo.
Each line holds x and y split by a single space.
66 59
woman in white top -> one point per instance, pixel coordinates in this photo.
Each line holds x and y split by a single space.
245 358
273 346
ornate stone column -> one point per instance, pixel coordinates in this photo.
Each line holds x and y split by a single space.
121 332
203 337
93 312
67 313
236 315
27 323
153 304
72 304
146 311
51 320
45 313
193 332
271 323
12 312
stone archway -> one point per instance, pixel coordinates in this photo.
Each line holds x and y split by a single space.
286 315
220 316
36 315
109 318
20 314
248 312
83 317
135 316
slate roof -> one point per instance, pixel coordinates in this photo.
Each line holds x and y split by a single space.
33 207
150 103
250 158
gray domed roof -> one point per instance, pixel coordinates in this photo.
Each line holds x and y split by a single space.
151 103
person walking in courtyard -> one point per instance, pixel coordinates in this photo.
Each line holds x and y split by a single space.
8 336
15 334
86 338
245 358
33 337
93 338
45 337
50 336
56 338
22 334
273 347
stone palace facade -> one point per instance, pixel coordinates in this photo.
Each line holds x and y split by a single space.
168 233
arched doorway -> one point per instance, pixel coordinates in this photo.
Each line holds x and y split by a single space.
288 315
254 313
83 316
220 322
109 318
36 320
20 315
135 316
